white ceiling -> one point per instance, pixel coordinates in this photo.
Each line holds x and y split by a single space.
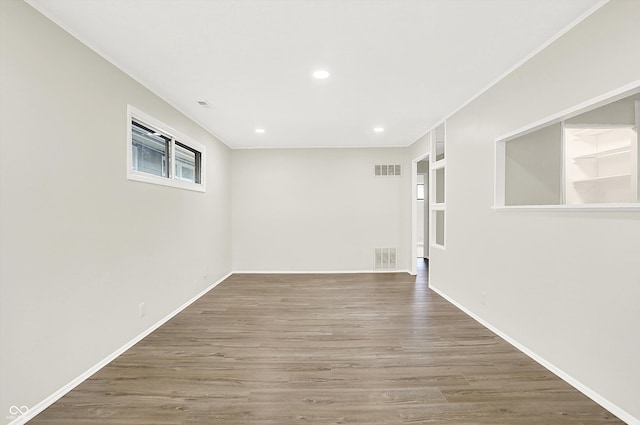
400 64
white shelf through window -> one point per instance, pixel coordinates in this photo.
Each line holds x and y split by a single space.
609 152
620 177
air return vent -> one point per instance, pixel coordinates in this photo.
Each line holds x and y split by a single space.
388 170
385 259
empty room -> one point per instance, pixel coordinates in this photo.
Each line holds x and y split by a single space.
319 211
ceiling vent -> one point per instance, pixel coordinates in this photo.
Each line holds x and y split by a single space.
388 170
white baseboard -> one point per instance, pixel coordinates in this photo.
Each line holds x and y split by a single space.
593 395
38 408
318 271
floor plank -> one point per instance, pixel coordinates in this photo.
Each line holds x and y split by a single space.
323 349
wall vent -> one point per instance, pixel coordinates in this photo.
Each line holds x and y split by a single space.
385 259
388 170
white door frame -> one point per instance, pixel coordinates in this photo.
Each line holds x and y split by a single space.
414 213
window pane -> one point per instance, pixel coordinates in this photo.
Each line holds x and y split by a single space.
439 228
149 150
187 163
440 185
587 159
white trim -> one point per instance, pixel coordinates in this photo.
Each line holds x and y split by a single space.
499 188
41 406
438 164
135 113
584 389
563 165
319 271
634 147
163 181
434 206
414 215
499 167
414 208
588 105
578 207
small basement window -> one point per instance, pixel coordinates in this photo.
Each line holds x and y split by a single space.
160 155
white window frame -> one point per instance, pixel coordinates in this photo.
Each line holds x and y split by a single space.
172 181
500 155
434 206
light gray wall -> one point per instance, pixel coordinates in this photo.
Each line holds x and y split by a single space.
533 168
423 166
80 245
563 284
318 209
621 112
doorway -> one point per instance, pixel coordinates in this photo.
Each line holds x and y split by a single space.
420 211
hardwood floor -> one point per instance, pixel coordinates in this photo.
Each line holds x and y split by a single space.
323 349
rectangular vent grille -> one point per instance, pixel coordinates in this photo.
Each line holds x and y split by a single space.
385 259
388 170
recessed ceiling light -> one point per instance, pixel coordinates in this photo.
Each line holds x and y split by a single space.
321 74
259 130
204 104
378 129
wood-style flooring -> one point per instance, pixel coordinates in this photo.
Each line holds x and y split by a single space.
323 349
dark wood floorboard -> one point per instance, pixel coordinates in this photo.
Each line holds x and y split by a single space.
323 349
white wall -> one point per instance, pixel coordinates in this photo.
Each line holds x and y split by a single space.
563 284
318 209
80 245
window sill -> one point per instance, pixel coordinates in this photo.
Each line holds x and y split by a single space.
584 207
163 181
